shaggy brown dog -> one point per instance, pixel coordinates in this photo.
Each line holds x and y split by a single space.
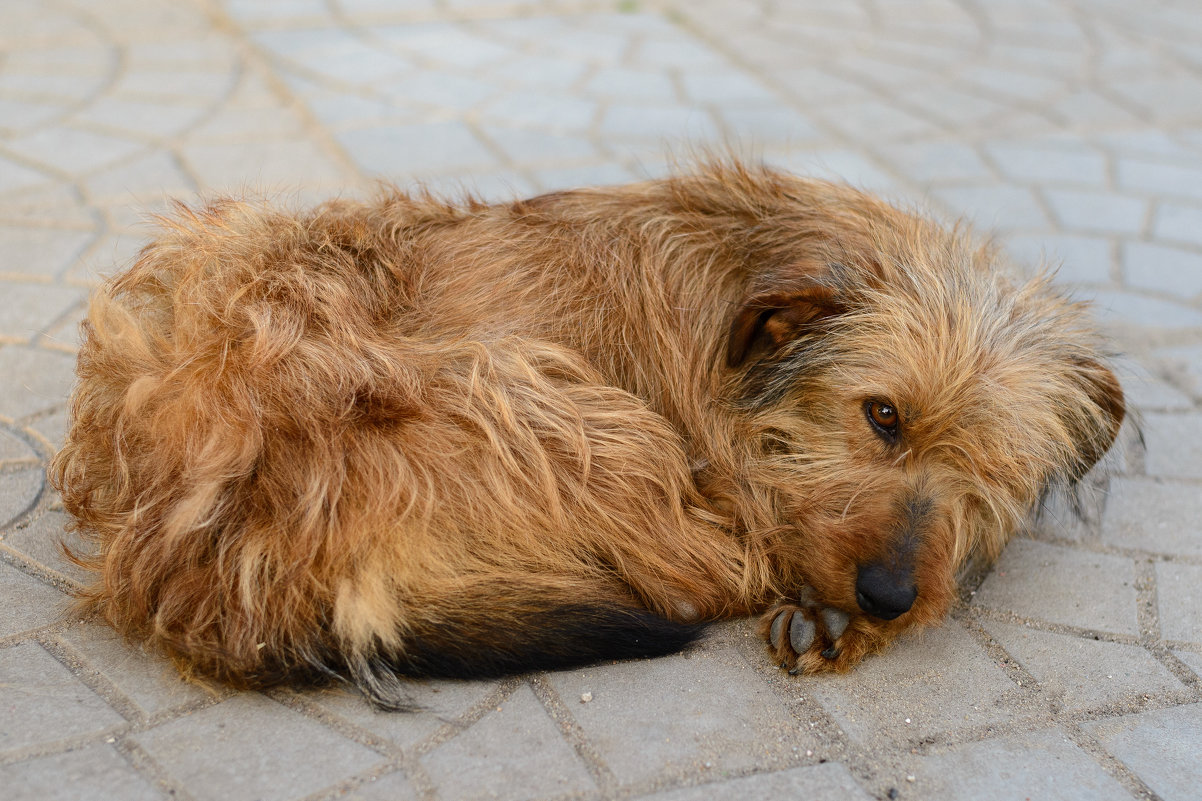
407 437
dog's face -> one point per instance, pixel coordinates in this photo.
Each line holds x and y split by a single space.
913 408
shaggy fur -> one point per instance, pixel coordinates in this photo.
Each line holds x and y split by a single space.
408 437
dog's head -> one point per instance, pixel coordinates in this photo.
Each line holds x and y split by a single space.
912 404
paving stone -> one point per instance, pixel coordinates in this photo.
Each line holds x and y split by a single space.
1076 259
767 123
1145 392
157 174
1193 660
249 747
1160 178
1079 672
46 379
162 84
29 678
440 91
923 685
686 54
828 782
30 308
1185 360
19 490
1063 585
592 175
1098 211
1179 592
1178 222
39 540
151 681
1174 443
938 161
261 166
27 603
522 145
726 86
1161 516
417 150
516 752
15 177
444 43
540 71
995 207
1160 746
73 151
434 704
40 252
1044 764
1049 162
659 122
631 84
1128 308
691 710
390 787
90 774
1165 269
839 165
875 119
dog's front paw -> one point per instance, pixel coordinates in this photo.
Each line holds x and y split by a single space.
809 638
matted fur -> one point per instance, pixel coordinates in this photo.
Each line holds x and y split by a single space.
412 437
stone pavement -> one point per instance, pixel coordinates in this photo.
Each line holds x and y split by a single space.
1071 127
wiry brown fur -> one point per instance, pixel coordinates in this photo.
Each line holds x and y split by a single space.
412 437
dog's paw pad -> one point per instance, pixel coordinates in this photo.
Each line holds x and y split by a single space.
802 633
778 628
835 621
808 638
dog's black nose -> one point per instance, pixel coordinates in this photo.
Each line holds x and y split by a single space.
885 593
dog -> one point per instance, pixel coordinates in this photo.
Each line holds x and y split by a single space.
412 438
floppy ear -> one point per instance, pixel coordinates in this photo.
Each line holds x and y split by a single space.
1102 387
768 320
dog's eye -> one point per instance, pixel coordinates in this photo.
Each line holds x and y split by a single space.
883 417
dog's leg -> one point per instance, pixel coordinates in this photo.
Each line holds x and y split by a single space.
805 637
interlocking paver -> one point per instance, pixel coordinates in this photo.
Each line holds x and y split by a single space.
1161 746
1070 128
1063 585
1043 764
44 703
249 747
62 777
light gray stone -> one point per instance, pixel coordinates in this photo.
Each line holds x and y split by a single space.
1044 765
659 122
249 747
16 177
40 541
1185 360
46 379
685 53
1193 660
1179 222
625 83
592 175
19 490
440 91
1098 211
445 43
30 308
1174 445
1148 393
527 146
389 787
15 450
155 175
726 86
767 123
997 207
538 70
1160 516
140 119
156 83
673 704
1076 259
1080 672
1049 162
516 752
1172 179
923 685
1166 269
828 782
844 166
1160 746
935 162
876 119
72 150
43 703
91 774
1128 308
36 252
1179 592
552 111
434 704
151 681
261 167
1063 585
26 602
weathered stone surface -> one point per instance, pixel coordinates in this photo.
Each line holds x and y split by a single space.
1161 746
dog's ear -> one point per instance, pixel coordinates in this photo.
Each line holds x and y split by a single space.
1104 390
770 319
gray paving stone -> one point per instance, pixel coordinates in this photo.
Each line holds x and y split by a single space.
1178 222
157 174
1185 360
658 122
1063 585
694 712
1053 162
29 308
417 150
19 489
440 91
1079 672
140 119
767 123
995 207
726 86
1039 765
1161 516
1166 269
39 540
36 252
94 773
1160 746
27 603
1076 259
1145 392
1174 445
156 83
592 175
828 782
523 145
72 150
925 684
1102 212
516 752
46 379
1160 178
444 43
14 449
844 166
43 703
261 166
684 53
938 161
1179 592
151 681
1128 308
435 703
630 84
15 177
874 119
390 787
249 747
540 71
1193 660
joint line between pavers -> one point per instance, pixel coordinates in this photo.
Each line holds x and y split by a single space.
571 731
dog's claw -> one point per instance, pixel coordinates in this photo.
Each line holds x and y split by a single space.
801 633
778 628
836 621
830 653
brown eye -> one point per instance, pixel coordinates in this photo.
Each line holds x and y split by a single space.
883 417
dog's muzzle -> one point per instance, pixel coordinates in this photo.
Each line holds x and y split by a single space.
885 593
